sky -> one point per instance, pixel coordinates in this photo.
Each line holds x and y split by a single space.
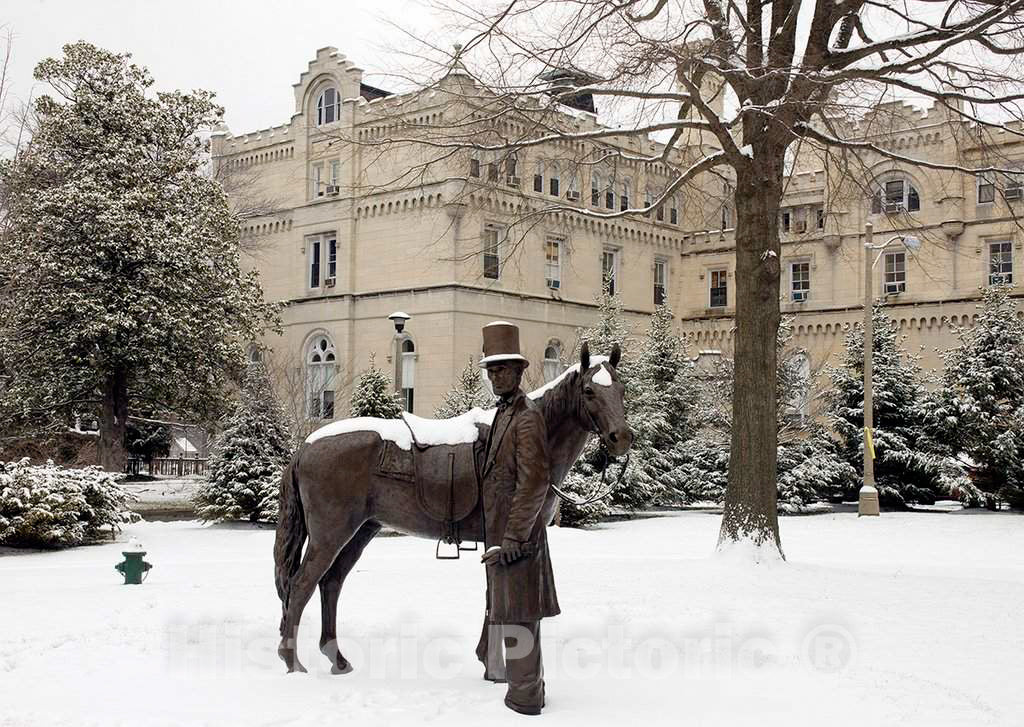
250 53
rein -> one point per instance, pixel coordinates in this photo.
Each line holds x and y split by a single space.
606 459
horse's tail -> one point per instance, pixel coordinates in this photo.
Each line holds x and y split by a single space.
291 532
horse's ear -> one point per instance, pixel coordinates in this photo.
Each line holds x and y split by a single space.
584 357
616 355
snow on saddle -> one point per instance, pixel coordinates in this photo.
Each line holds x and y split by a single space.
443 463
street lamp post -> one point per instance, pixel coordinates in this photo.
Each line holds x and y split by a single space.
398 318
867 500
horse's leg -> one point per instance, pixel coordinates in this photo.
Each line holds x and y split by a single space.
321 550
330 589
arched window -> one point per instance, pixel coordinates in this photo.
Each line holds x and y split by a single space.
553 361
321 365
554 181
624 197
512 165
408 373
648 201
328 107
255 353
895 195
609 193
538 177
595 189
573 187
673 210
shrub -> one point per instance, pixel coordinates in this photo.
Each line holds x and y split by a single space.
46 506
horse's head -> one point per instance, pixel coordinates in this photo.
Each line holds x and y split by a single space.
603 394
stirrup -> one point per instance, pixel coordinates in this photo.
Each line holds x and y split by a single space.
437 550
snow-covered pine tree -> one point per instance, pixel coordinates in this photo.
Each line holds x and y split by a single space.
468 392
125 255
660 409
248 457
584 479
374 395
905 470
977 412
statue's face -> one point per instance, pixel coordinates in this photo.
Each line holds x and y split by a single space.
505 376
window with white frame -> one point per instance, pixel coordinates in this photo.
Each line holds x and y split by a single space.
321 367
538 176
335 175
660 280
1013 186
553 262
554 182
553 366
1000 263
315 250
624 197
328 106
609 193
895 280
799 281
609 269
493 235
573 191
986 189
512 166
718 288
316 180
321 258
408 374
895 196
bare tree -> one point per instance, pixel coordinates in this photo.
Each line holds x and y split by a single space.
709 100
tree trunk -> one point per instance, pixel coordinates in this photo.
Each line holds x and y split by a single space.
113 420
750 502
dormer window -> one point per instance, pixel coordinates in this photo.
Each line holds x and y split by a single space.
895 196
328 107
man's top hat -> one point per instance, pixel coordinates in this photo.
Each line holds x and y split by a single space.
501 343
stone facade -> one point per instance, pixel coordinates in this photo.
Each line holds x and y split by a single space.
354 236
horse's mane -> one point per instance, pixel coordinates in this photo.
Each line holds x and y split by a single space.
559 398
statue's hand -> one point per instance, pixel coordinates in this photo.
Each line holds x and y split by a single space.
511 550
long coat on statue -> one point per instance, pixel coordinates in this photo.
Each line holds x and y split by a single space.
515 480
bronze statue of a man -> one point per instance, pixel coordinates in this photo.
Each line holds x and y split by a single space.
515 481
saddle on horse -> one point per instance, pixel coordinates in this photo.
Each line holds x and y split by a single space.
446 478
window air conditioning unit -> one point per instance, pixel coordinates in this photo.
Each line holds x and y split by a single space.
799 296
572 196
512 181
800 226
554 284
329 282
892 208
1013 192
333 190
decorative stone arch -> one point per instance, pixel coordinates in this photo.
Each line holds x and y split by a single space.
553 365
313 91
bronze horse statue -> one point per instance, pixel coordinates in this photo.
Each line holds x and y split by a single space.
334 493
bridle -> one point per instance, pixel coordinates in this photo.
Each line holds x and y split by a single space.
606 457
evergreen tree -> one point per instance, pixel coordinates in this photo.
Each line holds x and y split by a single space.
584 479
374 396
248 457
977 413
468 393
905 470
660 409
147 439
125 255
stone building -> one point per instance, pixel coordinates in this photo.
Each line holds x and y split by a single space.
355 225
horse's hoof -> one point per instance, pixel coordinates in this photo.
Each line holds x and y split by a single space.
290 660
341 668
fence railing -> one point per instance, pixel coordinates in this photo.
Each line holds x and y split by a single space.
173 466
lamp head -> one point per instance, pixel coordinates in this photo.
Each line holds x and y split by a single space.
911 243
399 318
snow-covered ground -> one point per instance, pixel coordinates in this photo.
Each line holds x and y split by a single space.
906 619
